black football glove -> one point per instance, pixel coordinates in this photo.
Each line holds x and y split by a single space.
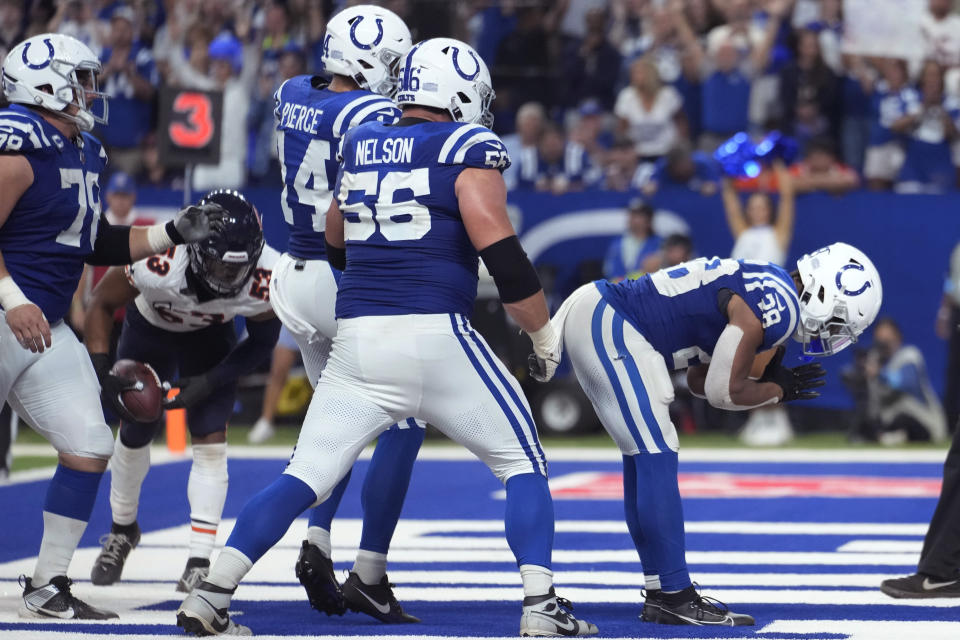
797 383
112 386
193 389
196 223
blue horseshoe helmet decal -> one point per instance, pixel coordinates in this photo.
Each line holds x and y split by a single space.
45 63
857 267
360 45
456 65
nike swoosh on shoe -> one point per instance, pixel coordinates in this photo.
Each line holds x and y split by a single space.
382 608
930 586
560 620
222 620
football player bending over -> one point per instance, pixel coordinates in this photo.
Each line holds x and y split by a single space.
181 322
50 225
362 49
710 317
416 204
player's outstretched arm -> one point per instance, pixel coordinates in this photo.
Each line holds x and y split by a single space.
24 318
333 237
727 384
482 197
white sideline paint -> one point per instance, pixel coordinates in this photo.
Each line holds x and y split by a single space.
869 629
882 546
45 635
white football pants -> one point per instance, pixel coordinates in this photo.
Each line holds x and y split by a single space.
56 392
436 367
303 294
625 378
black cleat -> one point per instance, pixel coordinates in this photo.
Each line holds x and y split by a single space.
921 586
376 600
315 572
689 607
194 573
54 600
117 545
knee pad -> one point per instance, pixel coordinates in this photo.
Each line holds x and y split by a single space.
99 442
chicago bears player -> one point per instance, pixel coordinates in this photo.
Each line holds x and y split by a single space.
50 224
416 204
363 45
710 317
181 321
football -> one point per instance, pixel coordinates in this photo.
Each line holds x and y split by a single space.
144 402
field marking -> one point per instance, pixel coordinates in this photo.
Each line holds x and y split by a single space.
869 629
882 546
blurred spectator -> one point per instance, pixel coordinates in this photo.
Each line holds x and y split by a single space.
130 78
676 248
757 234
590 65
277 37
828 25
264 167
154 173
820 170
928 164
809 94
892 100
285 355
12 25
561 165
855 76
901 404
521 72
621 171
75 18
590 130
739 29
522 144
232 70
649 113
940 34
626 255
684 167
948 328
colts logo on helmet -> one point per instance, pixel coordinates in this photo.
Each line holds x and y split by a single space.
851 292
45 63
456 65
360 45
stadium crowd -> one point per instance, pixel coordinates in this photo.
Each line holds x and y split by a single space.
613 94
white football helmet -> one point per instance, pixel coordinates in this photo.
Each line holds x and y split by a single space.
366 43
841 297
447 74
64 64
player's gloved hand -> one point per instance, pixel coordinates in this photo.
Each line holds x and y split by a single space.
112 386
797 383
547 349
196 223
192 390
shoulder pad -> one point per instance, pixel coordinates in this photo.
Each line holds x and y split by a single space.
23 134
474 146
369 107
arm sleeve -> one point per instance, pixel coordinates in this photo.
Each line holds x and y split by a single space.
247 356
112 246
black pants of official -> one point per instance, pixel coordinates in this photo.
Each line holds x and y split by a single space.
941 548
951 391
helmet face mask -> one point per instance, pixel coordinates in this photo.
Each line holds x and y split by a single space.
68 77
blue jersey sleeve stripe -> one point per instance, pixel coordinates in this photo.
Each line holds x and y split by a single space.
483 136
350 110
364 114
453 140
29 130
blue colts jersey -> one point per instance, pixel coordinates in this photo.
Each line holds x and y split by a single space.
310 121
677 309
407 249
53 225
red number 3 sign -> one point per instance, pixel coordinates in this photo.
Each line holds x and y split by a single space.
196 130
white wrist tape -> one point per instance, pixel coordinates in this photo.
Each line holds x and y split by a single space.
545 340
717 384
158 238
11 296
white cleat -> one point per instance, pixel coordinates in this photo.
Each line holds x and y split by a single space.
204 613
549 616
262 431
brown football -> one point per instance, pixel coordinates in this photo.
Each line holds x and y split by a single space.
145 402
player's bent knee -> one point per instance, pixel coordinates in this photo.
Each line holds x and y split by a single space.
135 436
506 470
321 483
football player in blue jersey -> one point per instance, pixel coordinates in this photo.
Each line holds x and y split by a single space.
417 204
50 225
711 317
362 49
